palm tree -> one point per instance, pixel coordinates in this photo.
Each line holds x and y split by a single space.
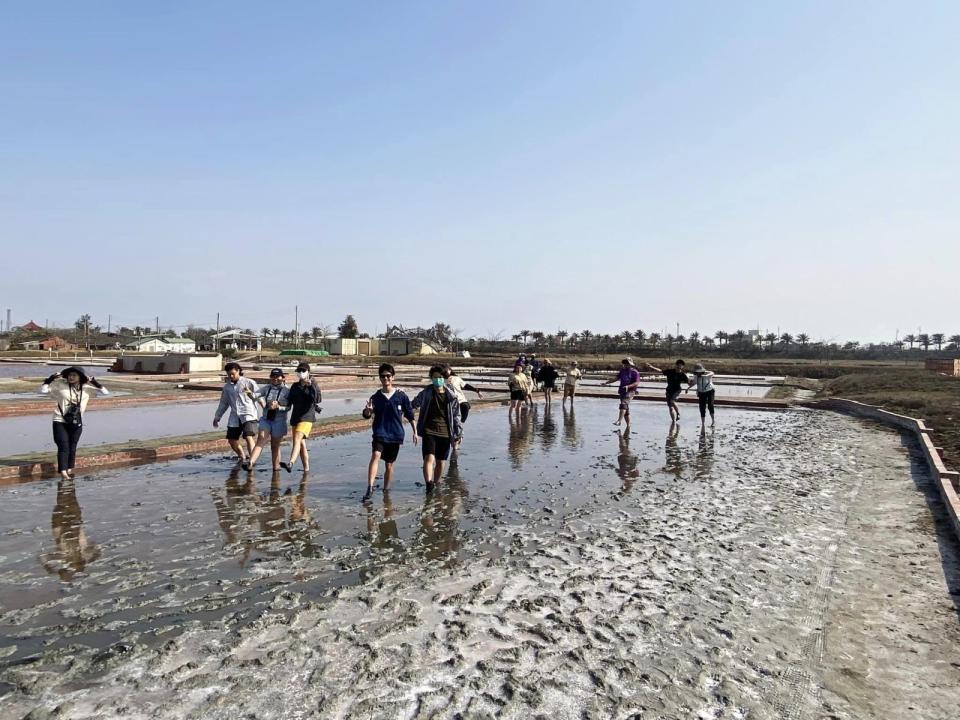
524 334
851 345
786 339
739 335
669 340
937 339
627 337
316 331
654 339
803 339
720 336
265 332
641 336
276 334
910 339
561 335
770 339
681 340
924 341
955 341
694 338
537 337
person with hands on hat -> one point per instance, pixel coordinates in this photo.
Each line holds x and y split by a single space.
629 379
304 402
703 379
71 388
273 423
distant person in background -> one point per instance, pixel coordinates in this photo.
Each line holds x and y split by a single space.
71 389
273 424
703 379
459 387
239 396
570 381
629 379
676 378
304 399
388 407
519 385
438 425
535 366
548 376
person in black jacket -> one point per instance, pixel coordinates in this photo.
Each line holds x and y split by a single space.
547 376
304 403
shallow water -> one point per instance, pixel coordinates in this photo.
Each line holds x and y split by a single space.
563 570
32 433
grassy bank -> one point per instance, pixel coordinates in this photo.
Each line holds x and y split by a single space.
916 393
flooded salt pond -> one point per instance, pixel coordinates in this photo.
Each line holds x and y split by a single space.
31 433
563 571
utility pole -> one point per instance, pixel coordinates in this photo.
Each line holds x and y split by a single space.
158 324
216 339
296 325
109 319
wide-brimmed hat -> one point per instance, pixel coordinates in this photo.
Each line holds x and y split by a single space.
628 360
277 372
698 368
78 370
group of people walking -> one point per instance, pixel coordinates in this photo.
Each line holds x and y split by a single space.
264 415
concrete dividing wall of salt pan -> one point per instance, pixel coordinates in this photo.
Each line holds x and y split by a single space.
947 481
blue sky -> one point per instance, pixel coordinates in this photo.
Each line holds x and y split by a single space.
495 165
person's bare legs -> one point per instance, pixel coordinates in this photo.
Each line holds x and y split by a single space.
275 451
238 449
546 395
429 463
294 451
304 457
261 443
372 473
387 476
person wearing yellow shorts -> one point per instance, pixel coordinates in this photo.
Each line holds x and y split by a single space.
304 403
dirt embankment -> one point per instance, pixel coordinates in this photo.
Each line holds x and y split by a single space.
917 393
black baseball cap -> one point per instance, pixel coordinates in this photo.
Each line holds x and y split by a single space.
277 372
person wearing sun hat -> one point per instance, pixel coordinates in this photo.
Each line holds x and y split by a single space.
703 379
629 378
71 388
273 424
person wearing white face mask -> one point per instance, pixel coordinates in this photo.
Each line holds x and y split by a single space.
304 403
438 425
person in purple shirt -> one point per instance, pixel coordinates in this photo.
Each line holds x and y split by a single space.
629 378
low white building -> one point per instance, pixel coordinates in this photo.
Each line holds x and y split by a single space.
170 363
162 345
237 340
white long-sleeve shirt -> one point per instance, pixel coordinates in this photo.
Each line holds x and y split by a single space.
66 394
704 381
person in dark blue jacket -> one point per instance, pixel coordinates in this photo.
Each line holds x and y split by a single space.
388 407
438 425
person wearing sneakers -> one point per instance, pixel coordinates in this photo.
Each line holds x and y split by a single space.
438 425
239 396
676 378
273 424
71 388
629 379
304 402
388 407
570 381
703 379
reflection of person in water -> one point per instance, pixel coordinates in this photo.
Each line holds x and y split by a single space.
674 459
439 535
703 463
548 429
520 439
74 551
571 436
627 462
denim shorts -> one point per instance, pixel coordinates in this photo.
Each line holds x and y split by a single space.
277 426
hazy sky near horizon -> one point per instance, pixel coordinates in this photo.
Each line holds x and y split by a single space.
493 165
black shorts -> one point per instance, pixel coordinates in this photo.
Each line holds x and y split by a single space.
388 450
439 447
464 411
518 395
672 395
247 429
549 384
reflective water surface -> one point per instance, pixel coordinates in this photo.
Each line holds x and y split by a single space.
563 569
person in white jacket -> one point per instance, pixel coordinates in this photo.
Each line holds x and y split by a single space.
703 379
239 396
72 390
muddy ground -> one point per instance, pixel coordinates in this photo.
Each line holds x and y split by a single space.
783 565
